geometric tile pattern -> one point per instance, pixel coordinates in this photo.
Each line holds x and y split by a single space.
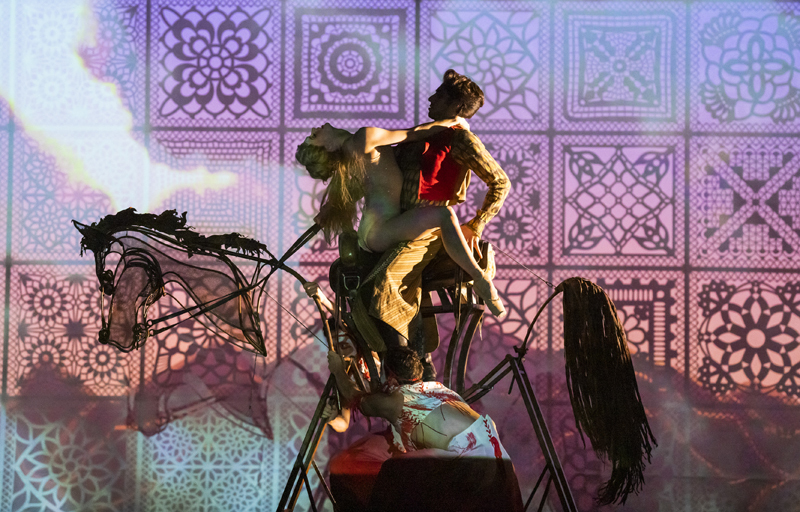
619 67
618 201
744 202
501 45
650 148
350 63
746 75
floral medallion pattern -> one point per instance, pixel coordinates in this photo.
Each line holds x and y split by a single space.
56 319
216 65
750 337
499 46
744 203
751 67
350 63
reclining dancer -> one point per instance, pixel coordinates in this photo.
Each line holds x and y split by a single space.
362 164
429 421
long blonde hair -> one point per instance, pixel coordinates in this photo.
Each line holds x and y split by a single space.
338 210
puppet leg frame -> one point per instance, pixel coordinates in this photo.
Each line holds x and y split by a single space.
552 463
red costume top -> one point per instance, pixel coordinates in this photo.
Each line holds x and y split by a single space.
440 175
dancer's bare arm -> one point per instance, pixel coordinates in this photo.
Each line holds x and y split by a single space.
373 404
370 137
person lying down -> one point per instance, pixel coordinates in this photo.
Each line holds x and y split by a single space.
433 431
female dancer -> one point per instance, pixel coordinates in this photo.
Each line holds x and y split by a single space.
362 164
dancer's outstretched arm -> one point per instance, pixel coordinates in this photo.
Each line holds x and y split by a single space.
370 137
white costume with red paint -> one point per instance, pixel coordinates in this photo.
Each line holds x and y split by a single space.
419 399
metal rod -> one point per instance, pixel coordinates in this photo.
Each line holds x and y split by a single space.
310 494
536 487
324 483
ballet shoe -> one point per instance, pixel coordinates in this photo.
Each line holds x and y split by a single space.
486 290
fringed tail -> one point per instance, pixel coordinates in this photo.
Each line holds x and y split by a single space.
602 387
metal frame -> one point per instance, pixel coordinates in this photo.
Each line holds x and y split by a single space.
468 318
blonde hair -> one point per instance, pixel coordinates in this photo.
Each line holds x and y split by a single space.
338 210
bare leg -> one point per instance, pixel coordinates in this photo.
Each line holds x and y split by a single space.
413 223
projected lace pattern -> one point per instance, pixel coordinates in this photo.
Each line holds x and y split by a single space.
649 305
201 463
744 203
56 316
216 64
619 201
620 66
749 69
250 206
749 335
45 203
64 464
350 64
118 55
498 45
517 229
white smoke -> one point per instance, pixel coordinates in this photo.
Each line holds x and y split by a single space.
74 116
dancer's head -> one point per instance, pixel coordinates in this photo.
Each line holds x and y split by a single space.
324 157
404 364
321 153
457 96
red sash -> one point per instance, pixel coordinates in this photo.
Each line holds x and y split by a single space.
439 176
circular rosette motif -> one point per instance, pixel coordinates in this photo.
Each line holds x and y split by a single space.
497 54
350 67
748 336
753 67
46 300
215 63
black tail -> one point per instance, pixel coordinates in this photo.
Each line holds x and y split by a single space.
602 387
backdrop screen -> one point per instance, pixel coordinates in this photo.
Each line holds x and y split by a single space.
652 148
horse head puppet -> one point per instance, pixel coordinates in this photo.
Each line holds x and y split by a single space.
142 258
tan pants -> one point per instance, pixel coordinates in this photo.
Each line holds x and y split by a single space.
393 290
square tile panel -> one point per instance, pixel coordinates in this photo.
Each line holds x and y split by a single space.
619 66
744 202
53 332
215 64
503 46
650 305
618 201
247 202
519 231
350 63
745 336
745 76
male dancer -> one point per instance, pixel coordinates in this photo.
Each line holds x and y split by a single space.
436 172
